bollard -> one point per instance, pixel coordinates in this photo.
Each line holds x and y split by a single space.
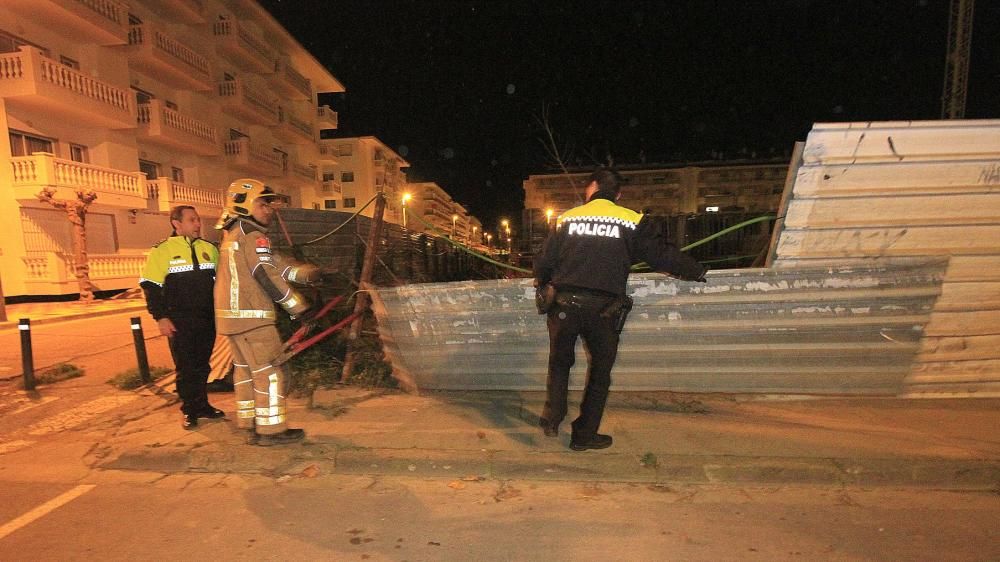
27 358
140 350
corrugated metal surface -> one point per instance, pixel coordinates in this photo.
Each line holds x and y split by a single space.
803 330
868 191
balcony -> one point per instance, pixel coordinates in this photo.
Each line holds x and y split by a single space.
54 273
161 125
304 171
252 157
289 83
40 170
293 130
243 47
104 22
157 54
326 118
184 11
168 194
30 80
331 187
328 153
249 103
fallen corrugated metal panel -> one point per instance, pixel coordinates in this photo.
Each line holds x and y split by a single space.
852 330
867 191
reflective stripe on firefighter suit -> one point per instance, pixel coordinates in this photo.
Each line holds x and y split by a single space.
250 280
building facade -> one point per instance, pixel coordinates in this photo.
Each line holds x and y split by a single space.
352 170
149 104
430 202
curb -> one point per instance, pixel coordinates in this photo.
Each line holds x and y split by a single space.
12 324
966 474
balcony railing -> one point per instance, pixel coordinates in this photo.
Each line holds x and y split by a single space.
168 194
34 80
103 22
173 128
168 58
244 47
59 268
187 11
293 129
326 118
248 102
331 186
113 187
290 82
242 153
307 172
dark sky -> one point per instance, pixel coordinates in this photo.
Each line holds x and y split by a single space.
459 88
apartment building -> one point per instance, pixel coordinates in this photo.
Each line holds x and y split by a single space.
352 170
149 104
428 201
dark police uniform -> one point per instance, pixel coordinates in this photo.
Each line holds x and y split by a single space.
587 260
178 282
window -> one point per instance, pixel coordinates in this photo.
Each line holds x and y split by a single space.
66 61
142 96
170 105
349 203
134 20
177 174
344 150
329 176
23 144
12 43
151 169
236 134
330 204
315 206
379 156
79 153
346 177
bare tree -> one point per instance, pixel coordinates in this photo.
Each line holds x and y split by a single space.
76 212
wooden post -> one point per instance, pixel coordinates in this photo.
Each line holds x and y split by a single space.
367 267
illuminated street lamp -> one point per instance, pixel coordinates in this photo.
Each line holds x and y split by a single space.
489 243
548 216
454 227
473 238
406 199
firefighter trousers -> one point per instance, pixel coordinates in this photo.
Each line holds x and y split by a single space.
191 347
568 321
260 387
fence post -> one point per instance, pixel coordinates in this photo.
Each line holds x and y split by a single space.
367 267
140 350
27 358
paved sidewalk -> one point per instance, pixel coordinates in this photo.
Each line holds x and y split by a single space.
660 438
46 312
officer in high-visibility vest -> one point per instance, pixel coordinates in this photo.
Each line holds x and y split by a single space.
178 282
252 278
587 261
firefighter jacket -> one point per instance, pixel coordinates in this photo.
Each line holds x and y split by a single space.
252 279
595 245
178 278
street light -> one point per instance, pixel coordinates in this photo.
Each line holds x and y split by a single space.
489 243
548 216
406 199
454 227
472 239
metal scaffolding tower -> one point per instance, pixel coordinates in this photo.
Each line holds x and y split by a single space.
956 66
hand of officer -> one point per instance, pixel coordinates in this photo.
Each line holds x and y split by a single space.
167 327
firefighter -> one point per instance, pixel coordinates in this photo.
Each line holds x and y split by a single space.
177 282
587 262
252 278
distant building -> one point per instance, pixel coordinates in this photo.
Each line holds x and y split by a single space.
428 201
664 190
352 170
150 103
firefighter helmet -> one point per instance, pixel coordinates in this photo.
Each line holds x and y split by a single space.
240 197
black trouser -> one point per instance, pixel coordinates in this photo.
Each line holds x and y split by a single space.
580 315
191 348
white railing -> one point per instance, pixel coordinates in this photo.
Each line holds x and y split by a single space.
109 9
44 169
237 89
330 186
137 36
148 113
249 41
29 64
172 193
244 149
107 266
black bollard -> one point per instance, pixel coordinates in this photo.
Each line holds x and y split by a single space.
27 358
140 349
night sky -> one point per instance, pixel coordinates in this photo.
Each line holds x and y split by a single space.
459 88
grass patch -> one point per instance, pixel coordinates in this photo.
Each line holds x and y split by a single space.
54 374
130 379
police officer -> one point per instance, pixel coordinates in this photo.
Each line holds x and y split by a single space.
252 278
177 282
587 260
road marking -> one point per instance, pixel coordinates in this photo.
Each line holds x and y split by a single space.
11 446
82 413
45 508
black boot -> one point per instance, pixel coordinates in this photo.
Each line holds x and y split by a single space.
211 412
597 441
189 422
549 429
283 438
